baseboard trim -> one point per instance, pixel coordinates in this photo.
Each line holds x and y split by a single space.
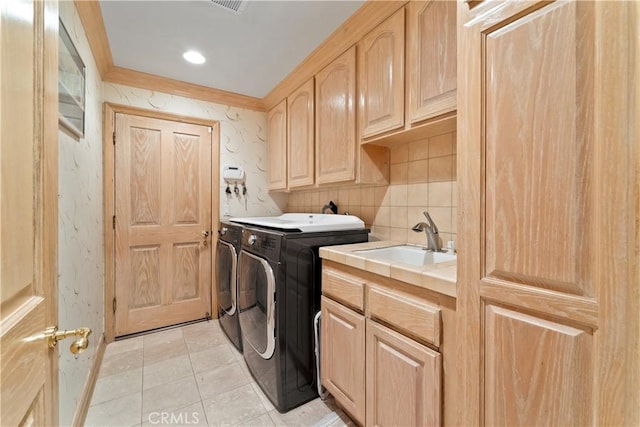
83 407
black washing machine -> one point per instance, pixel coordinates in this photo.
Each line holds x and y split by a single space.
227 254
279 287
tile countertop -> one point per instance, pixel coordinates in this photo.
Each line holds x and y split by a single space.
440 277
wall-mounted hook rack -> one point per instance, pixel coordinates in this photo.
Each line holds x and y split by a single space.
233 175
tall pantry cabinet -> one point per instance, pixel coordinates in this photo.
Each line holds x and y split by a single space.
548 213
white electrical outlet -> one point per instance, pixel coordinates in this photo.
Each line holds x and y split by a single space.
225 209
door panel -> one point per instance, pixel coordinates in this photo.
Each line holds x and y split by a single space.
28 211
186 175
163 204
537 370
145 176
145 267
412 371
540 236
343 356
185 272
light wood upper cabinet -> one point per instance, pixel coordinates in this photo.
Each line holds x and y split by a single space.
336 141
431 59
300 136
403 380
277 147
381 77
545 153
343 356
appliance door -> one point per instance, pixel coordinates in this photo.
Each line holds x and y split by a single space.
226 269
256 292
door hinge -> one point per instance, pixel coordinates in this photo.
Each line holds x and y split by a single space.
114 306
114 222
114 138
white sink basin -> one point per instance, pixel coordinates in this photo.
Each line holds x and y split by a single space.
406 254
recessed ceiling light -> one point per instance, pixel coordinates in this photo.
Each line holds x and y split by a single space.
194 57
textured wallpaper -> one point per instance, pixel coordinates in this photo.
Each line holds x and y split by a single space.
243 142
80 229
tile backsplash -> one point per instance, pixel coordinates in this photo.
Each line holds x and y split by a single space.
422 177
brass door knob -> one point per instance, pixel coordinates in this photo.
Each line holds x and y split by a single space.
205 235
53 335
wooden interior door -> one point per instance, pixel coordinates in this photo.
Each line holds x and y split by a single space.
163 207
547 312
28 211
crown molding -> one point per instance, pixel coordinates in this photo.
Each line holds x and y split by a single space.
127 77
91 18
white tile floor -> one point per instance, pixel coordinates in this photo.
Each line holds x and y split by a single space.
190 376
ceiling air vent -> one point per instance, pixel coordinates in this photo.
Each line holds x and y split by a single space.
236 6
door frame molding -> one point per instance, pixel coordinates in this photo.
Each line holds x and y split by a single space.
47 197
108 153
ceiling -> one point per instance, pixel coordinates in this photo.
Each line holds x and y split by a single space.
247 53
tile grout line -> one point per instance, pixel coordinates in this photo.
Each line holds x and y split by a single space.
204 410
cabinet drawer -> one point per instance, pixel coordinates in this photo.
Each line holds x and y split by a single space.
405 312
343 287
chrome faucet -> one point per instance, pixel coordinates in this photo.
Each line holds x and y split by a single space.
430 230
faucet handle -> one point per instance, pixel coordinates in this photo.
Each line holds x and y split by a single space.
432 224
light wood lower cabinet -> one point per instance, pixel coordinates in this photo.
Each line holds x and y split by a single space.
343 353
403 380
403 384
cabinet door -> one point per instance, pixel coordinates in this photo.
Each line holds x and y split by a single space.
336 120
431 58
300 136
381 77
343 356
542 304
403 380
277 147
